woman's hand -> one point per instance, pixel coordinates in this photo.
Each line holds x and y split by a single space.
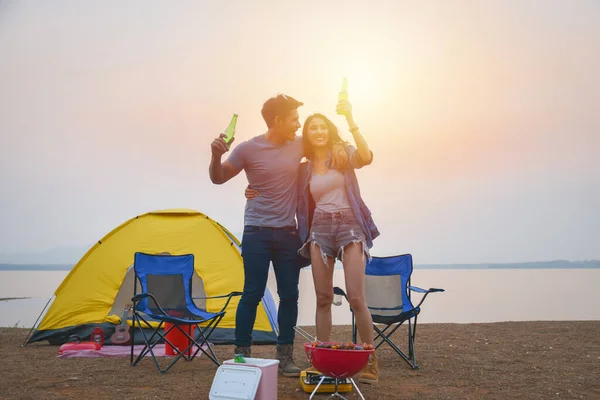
250 193
344 108
339 157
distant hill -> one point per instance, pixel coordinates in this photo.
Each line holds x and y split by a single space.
58 255
36 267
64 258
556 264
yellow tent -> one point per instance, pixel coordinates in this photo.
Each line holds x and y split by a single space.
101 283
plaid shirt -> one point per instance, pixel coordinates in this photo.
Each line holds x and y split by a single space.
306 204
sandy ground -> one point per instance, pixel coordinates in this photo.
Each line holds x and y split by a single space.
512 360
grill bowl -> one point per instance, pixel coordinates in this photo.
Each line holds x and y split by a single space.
337 363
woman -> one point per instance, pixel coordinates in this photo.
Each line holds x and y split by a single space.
334 223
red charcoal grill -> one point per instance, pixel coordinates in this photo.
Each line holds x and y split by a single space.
335 363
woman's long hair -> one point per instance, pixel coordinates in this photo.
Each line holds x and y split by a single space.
334 136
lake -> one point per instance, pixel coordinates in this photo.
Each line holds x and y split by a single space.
472 295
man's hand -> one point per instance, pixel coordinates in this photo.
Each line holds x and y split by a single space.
250 193
218 147
221 173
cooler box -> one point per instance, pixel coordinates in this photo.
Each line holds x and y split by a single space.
267 387
179 340
233 382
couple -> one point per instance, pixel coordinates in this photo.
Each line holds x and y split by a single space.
333 221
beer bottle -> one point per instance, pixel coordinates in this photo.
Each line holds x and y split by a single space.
230 131
343 92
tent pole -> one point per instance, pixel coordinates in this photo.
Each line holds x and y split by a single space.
36 321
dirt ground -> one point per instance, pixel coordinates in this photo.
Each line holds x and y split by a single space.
512 360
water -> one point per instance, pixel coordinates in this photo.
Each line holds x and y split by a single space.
39 285
481 295
484 295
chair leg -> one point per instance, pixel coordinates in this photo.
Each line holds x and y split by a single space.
182 353
383 333
212 356
354 329
151 342
200 332
132 339
410 358
411 343
148 342
203 335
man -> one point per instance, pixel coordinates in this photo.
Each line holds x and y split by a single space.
271 163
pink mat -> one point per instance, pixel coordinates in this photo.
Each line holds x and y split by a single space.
120 351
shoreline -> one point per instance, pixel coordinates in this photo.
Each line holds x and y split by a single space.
14 298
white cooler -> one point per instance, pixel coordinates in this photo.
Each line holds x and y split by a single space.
267 379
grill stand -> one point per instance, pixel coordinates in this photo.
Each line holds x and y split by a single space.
335 395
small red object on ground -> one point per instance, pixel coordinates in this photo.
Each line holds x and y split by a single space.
97 336
179 340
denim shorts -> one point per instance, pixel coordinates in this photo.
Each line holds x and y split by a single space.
332 232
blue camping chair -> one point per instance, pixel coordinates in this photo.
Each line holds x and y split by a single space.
388 289
166 297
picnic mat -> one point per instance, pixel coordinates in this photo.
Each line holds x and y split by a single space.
120 351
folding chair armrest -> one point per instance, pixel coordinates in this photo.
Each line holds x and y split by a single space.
430 290
426 291
228 296
219 297
340 291
139 297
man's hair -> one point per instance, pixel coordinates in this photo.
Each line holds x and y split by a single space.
279 106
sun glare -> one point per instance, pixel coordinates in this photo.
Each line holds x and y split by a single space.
363 80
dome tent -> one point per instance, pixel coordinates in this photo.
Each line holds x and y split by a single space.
96 290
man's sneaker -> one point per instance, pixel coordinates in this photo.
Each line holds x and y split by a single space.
285 355
370 373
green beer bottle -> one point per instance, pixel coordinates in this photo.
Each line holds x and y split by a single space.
230 131
343 92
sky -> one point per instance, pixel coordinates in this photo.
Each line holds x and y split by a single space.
483 116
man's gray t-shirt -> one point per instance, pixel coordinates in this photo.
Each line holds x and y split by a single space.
272 169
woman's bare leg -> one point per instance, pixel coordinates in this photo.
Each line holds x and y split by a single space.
354 273
323 279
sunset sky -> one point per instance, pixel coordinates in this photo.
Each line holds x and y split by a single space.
483 116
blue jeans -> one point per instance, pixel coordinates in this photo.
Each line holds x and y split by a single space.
260 246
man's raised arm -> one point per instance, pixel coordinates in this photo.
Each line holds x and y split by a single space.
221 172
